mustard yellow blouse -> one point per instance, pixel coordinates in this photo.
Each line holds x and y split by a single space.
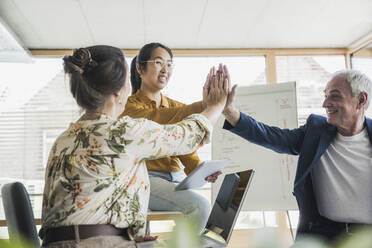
169 112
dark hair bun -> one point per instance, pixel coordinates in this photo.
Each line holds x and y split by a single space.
81 61
95 73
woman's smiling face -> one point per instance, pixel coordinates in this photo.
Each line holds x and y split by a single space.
158 70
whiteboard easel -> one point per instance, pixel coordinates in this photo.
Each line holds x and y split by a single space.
272 186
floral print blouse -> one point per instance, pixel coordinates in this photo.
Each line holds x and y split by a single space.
96 171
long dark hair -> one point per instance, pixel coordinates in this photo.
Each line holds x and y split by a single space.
95 73
143 56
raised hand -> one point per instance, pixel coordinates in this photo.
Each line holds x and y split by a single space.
218 88
231 95
206 87
215 92
231 114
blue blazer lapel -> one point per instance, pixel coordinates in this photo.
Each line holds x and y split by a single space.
369 128
325 140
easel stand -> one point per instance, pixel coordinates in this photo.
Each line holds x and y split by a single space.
290 225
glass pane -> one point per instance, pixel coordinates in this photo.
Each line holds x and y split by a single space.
364 65
294 218
34 100
189 76
36 106
311 74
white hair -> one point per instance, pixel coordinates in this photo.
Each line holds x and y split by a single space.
359 82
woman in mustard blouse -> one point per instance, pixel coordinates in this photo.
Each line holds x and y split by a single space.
150 72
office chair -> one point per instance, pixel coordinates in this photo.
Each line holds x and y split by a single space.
18 213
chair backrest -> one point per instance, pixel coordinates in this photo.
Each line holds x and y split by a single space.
18 213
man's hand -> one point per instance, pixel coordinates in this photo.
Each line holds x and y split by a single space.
231 95
212 178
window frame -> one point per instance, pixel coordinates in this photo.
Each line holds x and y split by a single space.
270 59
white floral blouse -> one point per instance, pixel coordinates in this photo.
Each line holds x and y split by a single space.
96 171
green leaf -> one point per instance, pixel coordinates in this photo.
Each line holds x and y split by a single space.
52 199
154 143
76 177
85 142
64 150
127 142
115 147
67 164
101 187
80 135
141 142
51 167
98 159
158 153
99 124
67 186
97 133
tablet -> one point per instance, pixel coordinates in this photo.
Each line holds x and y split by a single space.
196 178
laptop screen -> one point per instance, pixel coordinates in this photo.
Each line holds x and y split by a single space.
227 205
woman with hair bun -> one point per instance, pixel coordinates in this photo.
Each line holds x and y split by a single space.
96 183
150 72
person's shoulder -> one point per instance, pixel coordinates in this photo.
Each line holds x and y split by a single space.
128 122
317 117
134 102
369 123
133 99
174 103
316 120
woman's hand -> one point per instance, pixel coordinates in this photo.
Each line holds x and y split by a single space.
218 88
215 94
212 178
139 239
206 87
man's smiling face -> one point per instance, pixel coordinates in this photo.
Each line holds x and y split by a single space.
341 107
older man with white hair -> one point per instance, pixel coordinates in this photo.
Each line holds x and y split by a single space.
334 172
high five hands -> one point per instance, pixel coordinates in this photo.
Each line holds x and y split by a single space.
219 77
217 90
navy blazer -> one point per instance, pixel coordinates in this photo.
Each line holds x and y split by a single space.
309 142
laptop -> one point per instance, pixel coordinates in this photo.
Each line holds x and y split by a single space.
226 209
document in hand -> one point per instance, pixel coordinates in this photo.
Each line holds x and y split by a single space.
196 178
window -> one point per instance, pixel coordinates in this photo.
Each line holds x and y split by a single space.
190 73
36 106
49 136
34 98
362 61
188 77
311 74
